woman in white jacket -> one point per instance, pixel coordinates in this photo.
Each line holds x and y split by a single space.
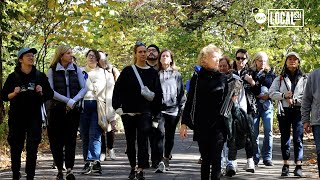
100 84
288 89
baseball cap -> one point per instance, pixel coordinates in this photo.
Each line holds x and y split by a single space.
23 51
293 54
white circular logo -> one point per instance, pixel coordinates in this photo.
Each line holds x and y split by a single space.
260 18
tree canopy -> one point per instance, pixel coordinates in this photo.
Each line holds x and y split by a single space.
181 26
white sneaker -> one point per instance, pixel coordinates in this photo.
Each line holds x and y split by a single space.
249 167
112 154
161 168
102 157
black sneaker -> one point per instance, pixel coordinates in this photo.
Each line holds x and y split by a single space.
140 175
132 174
59 176
298 171
285 170
70 175
268 163
96 167
86 168
166 163
230 171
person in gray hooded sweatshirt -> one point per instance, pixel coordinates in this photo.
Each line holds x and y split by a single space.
173 104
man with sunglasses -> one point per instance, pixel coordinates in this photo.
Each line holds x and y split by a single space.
242 70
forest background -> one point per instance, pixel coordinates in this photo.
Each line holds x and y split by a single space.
180 25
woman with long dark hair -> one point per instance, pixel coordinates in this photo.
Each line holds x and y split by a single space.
288 89
173 104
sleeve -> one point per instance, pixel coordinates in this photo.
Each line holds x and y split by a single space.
47 92
186 118
116 73
157 101
83 86
274 90
116 96
181 98
269 79
110 87
299 91
8 87
307 101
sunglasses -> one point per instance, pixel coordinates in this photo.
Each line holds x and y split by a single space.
140 43
241 58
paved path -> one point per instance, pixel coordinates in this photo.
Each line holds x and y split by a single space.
183 164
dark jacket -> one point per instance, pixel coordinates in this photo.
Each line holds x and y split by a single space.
211 89
28 102
263 78
127 91
250 91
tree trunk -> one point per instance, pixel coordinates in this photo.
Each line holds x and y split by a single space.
1 102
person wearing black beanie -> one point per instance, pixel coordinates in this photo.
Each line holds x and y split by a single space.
152 55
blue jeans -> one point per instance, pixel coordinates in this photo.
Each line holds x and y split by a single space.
90 131
224 156
267 120
292 118
316 135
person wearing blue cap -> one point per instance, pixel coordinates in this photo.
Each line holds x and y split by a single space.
26 89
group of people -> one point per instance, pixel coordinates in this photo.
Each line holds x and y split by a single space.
215 85
224 106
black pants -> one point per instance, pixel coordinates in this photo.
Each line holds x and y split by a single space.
137 128
156 142
110 141
62 132
21 129
210 146
249 141
170 126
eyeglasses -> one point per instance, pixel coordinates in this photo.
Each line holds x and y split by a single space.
140 43
91 56
241 58
29 55
152 50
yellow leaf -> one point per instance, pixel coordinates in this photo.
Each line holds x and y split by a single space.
51 4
